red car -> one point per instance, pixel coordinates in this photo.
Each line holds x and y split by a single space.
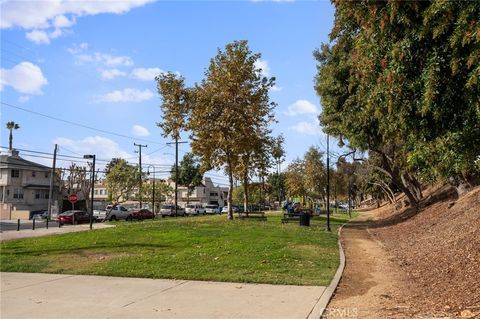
140 214
73 217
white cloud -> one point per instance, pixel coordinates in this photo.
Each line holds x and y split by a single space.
62 21
57 15
146 74
111 74
263 65
103 58
126 95
276 88
307 128
102 147
139 130
24 99
78 48
24 77
38 37
301 107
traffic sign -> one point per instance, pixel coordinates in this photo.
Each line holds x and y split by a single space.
72 198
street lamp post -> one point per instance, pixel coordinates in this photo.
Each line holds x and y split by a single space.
153 190
92 186
328 229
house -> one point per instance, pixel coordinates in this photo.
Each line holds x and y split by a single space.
205 193
24 186
100 195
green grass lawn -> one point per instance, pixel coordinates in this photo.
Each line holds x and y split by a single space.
200 248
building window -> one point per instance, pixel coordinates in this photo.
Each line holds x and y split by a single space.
37 195
213 194
17 193
46 174
34 173
15 173
95 192
46 195
101 192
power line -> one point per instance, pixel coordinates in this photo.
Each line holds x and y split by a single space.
78 124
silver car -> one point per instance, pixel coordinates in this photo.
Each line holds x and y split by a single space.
169 210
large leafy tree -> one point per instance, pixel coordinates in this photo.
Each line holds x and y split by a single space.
401 81
315 173
232 110
277 186
11 126
176 100
122 181
295 179
189 173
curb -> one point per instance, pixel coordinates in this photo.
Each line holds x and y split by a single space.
322 303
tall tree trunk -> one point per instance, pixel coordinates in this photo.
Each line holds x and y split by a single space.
230 189
10 140
398 180
245 192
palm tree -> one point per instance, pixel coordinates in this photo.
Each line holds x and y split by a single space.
11 126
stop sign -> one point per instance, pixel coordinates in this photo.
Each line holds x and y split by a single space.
72 198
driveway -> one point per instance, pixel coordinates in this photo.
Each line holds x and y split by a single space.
25 295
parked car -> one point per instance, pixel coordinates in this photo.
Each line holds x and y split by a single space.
73 217
169 210
194 209
211 209
99 215
42 214
116 212
235 209
140 214
38 212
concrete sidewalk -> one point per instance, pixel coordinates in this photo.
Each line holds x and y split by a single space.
26 295
38 232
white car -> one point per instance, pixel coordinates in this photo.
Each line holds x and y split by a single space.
235 209
99 215
211 209
194 209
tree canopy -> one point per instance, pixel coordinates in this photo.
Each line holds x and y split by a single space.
401 80
189 173
122 181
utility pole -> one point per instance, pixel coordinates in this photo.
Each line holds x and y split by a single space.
89 156
176 174
328 184
52 176
153 190
140 168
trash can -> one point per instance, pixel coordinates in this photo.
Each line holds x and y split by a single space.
304 219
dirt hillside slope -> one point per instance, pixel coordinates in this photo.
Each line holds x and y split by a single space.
438 249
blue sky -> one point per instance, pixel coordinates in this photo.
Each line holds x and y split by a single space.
94 63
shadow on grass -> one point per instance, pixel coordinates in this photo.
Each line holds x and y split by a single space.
40 251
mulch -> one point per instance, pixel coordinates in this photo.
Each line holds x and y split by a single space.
438 249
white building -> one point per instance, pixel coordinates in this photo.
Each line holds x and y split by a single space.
206 193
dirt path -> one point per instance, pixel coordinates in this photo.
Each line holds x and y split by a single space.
372 286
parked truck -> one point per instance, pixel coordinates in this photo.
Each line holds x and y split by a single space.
116 212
